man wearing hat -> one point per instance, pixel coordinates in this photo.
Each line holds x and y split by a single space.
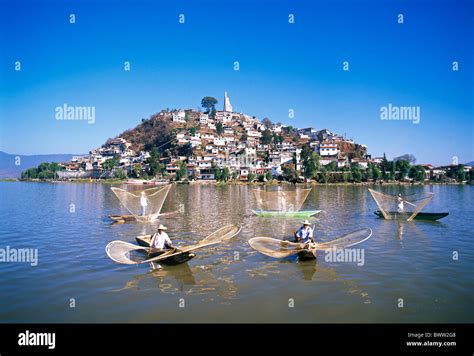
160 239
304 233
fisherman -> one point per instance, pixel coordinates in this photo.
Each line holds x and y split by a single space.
143 202
304 233
160 240
400 204
159 244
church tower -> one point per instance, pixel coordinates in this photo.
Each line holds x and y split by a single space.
227 106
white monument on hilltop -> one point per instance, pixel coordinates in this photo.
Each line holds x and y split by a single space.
227 106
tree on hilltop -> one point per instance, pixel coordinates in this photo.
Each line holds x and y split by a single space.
208 103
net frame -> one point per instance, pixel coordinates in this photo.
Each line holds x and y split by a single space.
386 203
281 200
281 248
119 251
155 198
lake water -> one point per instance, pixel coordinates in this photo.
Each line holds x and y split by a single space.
410 262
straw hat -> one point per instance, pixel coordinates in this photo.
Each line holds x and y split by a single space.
306 222
162 227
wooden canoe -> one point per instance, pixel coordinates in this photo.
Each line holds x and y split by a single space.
144 240
420 216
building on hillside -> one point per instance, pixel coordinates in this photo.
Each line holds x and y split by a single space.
362 163
179 116
203 118
328 149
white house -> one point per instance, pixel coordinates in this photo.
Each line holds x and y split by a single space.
179 116
328 149
203 118
219 141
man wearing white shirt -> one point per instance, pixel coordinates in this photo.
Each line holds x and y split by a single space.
160 240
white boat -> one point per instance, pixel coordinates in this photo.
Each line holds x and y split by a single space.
146 182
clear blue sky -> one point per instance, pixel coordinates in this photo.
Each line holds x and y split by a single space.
282 67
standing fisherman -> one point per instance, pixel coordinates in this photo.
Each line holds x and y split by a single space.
143 203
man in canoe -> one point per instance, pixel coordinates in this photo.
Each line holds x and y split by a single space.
304 233
160 241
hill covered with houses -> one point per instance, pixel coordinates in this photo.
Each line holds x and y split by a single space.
225 145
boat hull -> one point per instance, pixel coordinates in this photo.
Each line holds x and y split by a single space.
286 214
306 255
420 216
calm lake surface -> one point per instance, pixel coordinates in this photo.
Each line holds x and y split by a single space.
232 282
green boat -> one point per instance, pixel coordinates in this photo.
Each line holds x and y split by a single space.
420 216
287 214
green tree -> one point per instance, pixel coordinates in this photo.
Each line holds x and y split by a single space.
356 173
251 177
288 130
212 114
457 173
120 174
309 161
269 175
403 167
30 173
266 138
417 173
110 164
225 174
219 128
153 162
267 122
182 171
377 173
46 174
323 177
217 174
192 131
208 103
346 176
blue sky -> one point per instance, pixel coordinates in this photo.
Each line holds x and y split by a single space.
282 66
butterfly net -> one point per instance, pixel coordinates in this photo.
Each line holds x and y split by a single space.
126 253
280 200
405 207
144 205
274 247
348 240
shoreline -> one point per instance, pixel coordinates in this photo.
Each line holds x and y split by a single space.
214 182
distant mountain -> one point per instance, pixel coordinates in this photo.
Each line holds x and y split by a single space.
8 168
469 163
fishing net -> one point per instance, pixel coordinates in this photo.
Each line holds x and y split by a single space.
274 247
123 252
144 205
223 234
280 249
405 207
126 253
280 200
348 240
